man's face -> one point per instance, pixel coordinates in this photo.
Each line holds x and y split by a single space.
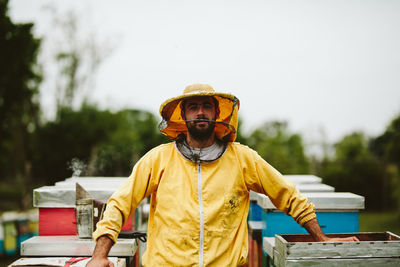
202 107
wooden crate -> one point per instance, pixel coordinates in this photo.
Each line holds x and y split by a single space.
374 249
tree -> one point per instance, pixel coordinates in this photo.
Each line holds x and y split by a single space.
354 169
104 143
79 127
19 107
285 151
76 55
387 145
134 135
71 136
387 148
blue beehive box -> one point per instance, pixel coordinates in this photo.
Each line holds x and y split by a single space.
304 183
336 213
255 211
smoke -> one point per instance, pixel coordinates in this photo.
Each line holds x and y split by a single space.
77 166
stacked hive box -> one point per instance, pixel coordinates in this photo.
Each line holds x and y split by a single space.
57 203
16 227
337 212
57 220
304 183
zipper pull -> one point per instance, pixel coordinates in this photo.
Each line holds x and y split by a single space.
196 158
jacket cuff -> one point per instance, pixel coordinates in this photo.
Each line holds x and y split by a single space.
97 234
307 218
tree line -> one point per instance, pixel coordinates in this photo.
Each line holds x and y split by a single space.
87 140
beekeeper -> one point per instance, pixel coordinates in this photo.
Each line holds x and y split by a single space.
199 186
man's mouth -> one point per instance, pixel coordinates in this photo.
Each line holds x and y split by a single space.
201 122
198 120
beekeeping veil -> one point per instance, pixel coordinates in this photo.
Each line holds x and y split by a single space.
173 125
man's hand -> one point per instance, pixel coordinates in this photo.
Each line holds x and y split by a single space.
343 239
100 253
99 262
315 230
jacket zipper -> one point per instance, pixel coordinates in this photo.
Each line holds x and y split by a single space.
200 197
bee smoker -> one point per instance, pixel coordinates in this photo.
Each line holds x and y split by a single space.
88 212
84 217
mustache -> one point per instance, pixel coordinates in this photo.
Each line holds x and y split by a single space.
200 120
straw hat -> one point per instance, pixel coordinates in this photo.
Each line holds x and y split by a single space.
173 125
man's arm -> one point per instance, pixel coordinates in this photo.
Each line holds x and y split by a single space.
283 194
100 253
316 232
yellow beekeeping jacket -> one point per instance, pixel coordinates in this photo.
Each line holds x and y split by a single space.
198 212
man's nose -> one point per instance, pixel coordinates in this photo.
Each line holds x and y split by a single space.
200 110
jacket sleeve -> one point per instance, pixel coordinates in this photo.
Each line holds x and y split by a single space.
261 177
141 183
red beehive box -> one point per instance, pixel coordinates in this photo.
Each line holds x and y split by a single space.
57 203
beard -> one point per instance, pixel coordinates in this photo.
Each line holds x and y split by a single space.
200 134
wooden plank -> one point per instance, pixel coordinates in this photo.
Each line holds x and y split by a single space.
73 246
60 261
269 245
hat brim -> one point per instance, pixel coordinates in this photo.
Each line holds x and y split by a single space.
167 104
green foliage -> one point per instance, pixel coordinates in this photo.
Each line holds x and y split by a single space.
379 222
387 145
352 147
387 148
368 167
393 175
19 108
71 136
135 134
77 59
11 196
280 148
108 144
355 169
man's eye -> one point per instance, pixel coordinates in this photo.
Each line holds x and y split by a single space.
207 106
193 107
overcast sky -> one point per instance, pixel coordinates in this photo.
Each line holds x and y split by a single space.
331 65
